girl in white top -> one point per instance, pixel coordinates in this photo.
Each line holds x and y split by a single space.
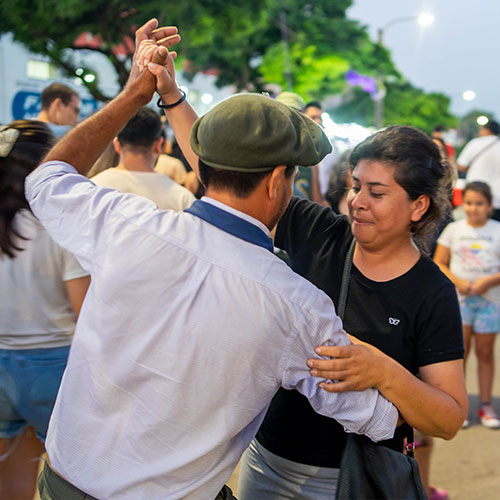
42 288
468 252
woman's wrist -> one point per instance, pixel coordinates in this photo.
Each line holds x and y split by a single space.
171 97
388 374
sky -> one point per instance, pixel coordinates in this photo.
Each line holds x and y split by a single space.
459 51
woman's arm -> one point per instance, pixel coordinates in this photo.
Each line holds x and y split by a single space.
435 404
442 259
77 290
481 285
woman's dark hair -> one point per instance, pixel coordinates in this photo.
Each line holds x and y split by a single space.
241 184
337 182
418 168
481 188
33 143
493 127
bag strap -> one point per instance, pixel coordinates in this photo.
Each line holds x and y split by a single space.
344 287
491 144
346 275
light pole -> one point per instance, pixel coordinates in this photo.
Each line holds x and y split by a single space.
284 38
424 19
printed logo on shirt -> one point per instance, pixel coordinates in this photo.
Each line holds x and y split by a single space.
394 321
476 248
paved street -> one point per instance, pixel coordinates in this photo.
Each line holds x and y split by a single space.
468 466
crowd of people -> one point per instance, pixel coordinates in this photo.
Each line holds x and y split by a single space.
193 345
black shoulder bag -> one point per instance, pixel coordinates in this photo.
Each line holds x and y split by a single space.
369 470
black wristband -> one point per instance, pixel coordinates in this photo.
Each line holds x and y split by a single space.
169 106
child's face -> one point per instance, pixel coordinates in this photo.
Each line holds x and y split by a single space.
476 208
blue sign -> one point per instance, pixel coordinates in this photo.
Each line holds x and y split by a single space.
26 105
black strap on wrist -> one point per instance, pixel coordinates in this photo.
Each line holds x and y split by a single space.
169 106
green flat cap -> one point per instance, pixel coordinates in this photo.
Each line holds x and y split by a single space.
254 133
292 99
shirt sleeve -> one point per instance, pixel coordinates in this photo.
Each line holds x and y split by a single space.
72 270
440 337
80 216
466 155
445 238
361 412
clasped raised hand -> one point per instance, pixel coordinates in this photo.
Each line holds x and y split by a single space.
151 50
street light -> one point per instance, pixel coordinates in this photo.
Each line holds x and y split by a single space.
424 19
469 95
482 120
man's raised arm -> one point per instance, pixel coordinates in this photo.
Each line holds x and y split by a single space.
84 144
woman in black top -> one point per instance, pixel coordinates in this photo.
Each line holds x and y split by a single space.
398 301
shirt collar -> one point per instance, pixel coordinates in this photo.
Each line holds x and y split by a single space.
232 221
241 215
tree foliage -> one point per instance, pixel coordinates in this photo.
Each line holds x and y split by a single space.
224 37
403 105
241 43
50 27
468 127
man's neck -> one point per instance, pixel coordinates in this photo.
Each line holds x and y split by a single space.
250 205
43 116
137 162
486 133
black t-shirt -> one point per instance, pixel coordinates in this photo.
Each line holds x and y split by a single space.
414 318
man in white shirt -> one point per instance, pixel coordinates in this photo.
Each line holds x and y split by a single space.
481 159
139 144
191 324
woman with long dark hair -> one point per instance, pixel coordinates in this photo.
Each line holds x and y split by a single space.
41 291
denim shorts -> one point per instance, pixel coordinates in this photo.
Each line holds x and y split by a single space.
29 381
480 313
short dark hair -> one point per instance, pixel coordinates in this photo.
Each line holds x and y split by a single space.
313 104
241 184
493 127
419 169
481 188
438 128
57 90
33 143
142 130
337 182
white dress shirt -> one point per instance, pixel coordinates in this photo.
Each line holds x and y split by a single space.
184 337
